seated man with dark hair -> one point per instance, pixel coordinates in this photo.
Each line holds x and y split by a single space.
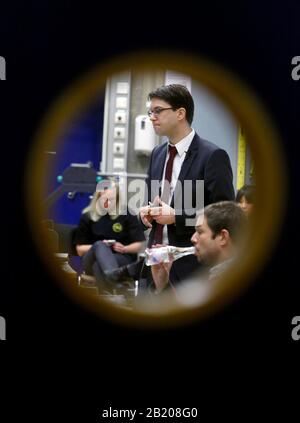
218 230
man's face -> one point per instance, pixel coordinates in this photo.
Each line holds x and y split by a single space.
164 121
206 247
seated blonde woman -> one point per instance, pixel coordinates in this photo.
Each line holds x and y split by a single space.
108 236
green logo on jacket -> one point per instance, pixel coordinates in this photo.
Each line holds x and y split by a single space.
117 227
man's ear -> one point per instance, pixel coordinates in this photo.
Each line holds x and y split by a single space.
181 113
224 237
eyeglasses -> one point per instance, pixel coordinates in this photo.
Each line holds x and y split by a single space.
157 111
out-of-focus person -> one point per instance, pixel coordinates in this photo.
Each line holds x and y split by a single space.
108 236
245 198
219 228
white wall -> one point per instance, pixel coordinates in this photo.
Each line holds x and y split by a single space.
214 122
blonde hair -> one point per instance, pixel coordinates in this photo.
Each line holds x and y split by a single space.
92 209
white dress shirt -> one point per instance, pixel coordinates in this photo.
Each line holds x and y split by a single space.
182 147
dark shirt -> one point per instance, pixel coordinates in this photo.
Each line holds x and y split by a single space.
125 229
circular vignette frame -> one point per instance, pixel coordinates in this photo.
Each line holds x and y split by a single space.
265 149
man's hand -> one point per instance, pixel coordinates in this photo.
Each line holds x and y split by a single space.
145 216
163 214
160 275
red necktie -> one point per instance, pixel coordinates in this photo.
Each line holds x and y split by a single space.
158 237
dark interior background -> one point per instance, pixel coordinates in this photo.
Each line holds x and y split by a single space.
76 363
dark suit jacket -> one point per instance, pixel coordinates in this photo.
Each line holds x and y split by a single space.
204 161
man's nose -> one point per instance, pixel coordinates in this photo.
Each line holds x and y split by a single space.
153 116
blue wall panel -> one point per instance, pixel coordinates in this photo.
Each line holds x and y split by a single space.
81 142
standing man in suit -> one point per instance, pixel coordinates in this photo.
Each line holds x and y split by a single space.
185 157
